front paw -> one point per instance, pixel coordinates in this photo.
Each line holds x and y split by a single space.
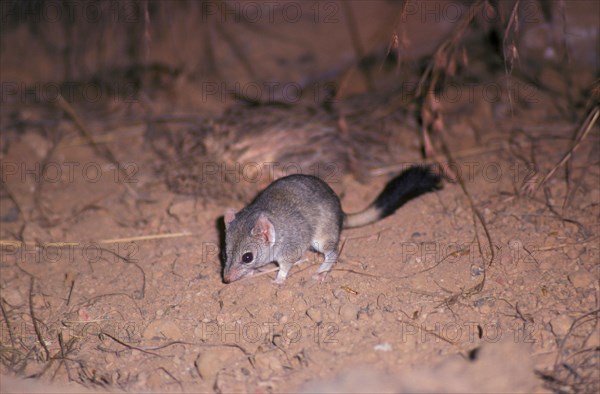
320 277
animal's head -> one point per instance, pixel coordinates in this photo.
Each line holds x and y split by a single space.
249 244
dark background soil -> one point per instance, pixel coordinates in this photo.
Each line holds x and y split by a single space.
129 127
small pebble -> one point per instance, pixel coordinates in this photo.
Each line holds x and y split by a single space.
581 279
383 347
12 296
153 381
208 364
253 310
561 325
340 294
572 253
476 270
277 316
109 358
348 312
162 329
266 361
485 309
300 305
363 315
315 314
285 295
142 379
377 316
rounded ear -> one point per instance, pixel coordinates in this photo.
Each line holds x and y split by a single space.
264 229
229 216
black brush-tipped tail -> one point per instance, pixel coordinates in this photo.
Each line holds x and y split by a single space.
411 183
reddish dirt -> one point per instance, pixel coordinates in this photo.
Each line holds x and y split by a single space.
110 279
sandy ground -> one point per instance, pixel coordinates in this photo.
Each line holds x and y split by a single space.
112 278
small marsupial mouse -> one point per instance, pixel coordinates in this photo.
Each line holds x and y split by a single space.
300 212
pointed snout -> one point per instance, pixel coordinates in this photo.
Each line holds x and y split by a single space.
227 277
231 275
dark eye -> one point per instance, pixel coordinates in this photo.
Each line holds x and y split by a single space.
247 258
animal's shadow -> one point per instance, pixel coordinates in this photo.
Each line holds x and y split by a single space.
220 225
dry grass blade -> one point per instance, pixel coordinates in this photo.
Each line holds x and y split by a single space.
444 53
477 216
11 334
443 63
531 187
510 49
356 44
34 321
39 202
9 242
569 196
576 367
145 238
139 294
128 345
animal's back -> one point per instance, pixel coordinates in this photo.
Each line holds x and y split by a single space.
303 196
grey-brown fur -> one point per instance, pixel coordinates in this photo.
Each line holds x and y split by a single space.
299 212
